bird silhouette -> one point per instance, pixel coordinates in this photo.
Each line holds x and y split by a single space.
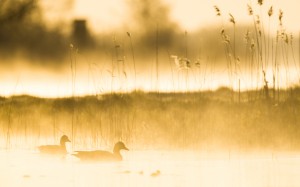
100 155
55 149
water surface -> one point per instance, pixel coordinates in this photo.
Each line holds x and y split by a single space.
152 168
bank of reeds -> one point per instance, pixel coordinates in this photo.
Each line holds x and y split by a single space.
155 120
266 55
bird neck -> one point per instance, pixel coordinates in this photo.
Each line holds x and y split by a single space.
117 154
116 151
63 144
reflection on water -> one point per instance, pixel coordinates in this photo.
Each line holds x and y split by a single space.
151 168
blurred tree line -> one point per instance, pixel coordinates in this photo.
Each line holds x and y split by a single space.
23 30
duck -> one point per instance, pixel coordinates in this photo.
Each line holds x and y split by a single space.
100 155
55 149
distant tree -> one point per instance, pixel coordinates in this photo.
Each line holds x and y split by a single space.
22 28
18 11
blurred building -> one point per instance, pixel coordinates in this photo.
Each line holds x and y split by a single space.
81 36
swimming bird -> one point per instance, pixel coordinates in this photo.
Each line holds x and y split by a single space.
99 155
55 149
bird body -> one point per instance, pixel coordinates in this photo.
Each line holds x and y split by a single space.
99 155
52 149
55 149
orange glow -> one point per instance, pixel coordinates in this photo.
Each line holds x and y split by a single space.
146 168
51 85
190 14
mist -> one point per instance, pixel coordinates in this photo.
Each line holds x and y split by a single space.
25 31
220 101
141 48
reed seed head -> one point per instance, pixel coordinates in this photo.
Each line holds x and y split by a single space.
282 33
181 63
218 12
198 63
280 17
247 36
257 20
222 31
237 60
231 19
226 39
270 12
250 11
286 40
252 44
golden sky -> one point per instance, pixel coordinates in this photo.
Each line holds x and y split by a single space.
190 14
107 15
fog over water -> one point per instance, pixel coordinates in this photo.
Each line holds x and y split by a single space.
136 53
202 93
171 169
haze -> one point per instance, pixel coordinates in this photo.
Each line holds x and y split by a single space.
194 93
36 59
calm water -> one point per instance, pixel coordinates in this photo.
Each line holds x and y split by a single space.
152 168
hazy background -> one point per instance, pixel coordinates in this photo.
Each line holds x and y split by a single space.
111 39
77 48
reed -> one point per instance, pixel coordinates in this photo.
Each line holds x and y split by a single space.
261 49
164 120
172 71
133 58
270 13
293 55
73 64
230 52
8 133
156 56
187 62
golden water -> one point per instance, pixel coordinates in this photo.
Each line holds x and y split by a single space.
151 168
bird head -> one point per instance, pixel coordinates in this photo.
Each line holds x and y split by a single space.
64 139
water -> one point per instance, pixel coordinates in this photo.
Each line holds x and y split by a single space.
152 168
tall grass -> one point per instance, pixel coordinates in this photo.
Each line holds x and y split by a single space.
151 120
133 58
73 64
177 119
8 133
260 50
156 57
9 118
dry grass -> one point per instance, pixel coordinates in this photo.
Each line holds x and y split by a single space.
149 120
